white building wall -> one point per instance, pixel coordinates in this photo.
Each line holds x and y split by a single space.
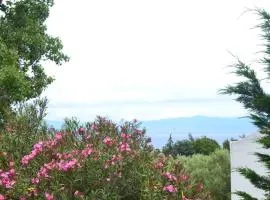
242 155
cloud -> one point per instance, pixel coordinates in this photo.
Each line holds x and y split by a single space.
148 59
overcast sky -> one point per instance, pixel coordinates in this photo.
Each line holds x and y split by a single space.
149 59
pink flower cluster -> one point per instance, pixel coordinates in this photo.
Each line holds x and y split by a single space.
61 165
65 162
124 147
108 141
64 165
40 146
159 164
170 176
7 178
125 136
169 188
113 161
87 151
49 196
37 149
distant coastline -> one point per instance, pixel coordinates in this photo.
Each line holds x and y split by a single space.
218 128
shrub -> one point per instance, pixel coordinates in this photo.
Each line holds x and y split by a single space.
101 160
212 170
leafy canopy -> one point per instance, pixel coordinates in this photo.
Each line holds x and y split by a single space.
24 46
188 147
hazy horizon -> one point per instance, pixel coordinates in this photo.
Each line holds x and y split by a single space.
218 128
150 59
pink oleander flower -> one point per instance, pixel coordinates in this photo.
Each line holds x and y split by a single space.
170 176
169 188
124 147
7 178
22 198
159 165
66 165
49 196
2 197
58 136
7 183
125 136
35 181
44 170
87 151
11 172
38 147
108 141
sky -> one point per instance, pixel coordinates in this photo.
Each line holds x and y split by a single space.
150 59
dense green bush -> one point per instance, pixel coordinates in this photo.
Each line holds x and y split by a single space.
212 170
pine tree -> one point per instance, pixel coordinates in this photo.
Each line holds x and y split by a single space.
254 98
168 148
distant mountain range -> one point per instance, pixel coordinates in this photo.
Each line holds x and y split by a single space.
218 128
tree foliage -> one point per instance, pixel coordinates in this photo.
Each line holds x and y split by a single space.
205 145
168 148
254 98
226 144
212 170
188 147
183 147
24 46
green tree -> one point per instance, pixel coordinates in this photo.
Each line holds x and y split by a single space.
254 98
190 146
183 147
226 144
24 46
168 148
205 145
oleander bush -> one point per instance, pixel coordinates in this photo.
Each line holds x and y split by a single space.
98 160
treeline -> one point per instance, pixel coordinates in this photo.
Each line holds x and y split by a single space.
191 146
206 161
